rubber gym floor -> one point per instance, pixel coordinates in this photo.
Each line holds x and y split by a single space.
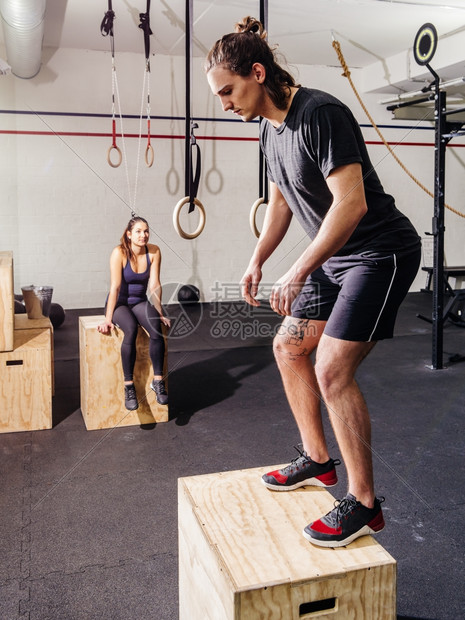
89 518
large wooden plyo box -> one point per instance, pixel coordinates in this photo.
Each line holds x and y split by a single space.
102 385
26 378
6 302
242 556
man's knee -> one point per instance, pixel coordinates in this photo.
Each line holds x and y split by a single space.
328 377
295 339
336 364
279 348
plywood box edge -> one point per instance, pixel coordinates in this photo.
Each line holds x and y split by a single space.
196 512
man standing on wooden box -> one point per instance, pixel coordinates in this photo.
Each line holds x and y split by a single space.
342 294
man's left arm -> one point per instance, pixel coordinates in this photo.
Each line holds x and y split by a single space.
347 209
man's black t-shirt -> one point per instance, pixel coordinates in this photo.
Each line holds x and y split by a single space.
319 135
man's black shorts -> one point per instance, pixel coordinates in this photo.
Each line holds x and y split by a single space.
358 295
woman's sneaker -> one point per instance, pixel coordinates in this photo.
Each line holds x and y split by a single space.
158 386
302 471
348 520
130 397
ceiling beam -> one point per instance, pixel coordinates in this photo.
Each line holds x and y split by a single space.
400 73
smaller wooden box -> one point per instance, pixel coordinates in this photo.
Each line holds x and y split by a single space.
102 384
22 321
26 382
242 556
7 303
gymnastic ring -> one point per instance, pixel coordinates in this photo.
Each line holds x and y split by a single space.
177 213
253 216
149 158
114 147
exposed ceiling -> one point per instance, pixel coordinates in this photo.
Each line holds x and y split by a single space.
368 30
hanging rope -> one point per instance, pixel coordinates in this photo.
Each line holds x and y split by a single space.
346 74
149 156
263 193
262 173
145 26
106 29
192 179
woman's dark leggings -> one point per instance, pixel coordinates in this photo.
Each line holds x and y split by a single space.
128 319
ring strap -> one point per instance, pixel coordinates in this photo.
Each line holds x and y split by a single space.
194 178
145 26
106 27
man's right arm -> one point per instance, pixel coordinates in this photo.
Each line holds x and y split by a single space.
277 220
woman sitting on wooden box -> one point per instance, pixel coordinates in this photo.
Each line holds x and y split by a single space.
135 299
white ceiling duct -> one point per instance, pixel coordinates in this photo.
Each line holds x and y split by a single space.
23 29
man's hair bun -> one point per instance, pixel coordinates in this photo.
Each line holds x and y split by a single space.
250 24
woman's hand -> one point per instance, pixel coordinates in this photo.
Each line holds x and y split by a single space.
165 321
105 327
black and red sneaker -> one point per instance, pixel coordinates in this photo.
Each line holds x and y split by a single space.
348 520
302 471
